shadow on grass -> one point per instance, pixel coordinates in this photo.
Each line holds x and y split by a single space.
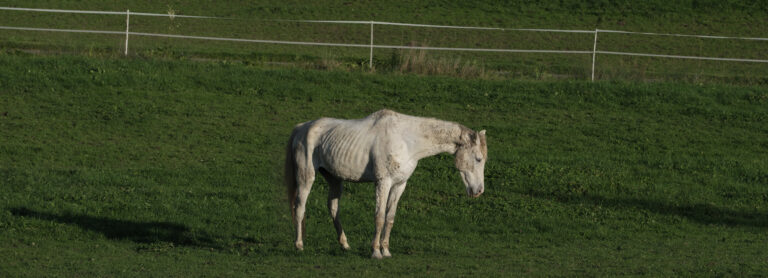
138 232
159 236
702 213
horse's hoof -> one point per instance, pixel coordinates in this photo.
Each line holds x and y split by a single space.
376 255
386 254
343 241
300 246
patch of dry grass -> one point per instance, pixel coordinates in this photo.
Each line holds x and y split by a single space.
419 61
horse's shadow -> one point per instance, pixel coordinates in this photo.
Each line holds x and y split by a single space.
136 231
149 233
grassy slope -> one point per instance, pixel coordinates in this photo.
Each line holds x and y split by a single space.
734 18
134 167
690 16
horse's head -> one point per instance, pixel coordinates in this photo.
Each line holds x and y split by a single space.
471 155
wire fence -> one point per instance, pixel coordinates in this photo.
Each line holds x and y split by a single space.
374 25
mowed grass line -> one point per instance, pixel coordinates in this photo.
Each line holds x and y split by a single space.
173 168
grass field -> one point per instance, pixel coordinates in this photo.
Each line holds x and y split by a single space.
147 167
247 20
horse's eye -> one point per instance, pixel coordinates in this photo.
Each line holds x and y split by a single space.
479 159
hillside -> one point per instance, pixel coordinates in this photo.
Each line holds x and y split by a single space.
115 167
255 20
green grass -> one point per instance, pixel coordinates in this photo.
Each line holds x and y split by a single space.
146 167
708 17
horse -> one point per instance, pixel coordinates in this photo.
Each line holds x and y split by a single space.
383 148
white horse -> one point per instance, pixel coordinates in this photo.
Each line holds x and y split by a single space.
383 148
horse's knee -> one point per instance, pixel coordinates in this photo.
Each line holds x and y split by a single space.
380 222
390 218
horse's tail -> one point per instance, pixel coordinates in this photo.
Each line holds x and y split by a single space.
290 173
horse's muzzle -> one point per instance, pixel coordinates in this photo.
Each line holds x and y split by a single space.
475 195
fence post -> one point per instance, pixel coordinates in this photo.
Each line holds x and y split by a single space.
370 58
594 53
127 28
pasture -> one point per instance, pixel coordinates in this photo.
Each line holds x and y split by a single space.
254 20
145 167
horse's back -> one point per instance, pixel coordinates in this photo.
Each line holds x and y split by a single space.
345 147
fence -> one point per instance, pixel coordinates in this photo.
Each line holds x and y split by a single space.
593 52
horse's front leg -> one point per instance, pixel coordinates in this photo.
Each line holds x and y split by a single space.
394 198
382 193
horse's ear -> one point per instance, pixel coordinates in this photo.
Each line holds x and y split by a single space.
478 136
465 138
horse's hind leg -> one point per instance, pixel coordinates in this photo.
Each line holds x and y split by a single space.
305 176
334 194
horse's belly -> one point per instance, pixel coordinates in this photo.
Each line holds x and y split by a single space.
349 172
351 168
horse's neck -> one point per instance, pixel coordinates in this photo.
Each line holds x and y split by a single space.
435 137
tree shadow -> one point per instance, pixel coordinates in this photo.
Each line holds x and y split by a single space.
138 232
702 213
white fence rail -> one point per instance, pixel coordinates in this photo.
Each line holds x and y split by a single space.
594 51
